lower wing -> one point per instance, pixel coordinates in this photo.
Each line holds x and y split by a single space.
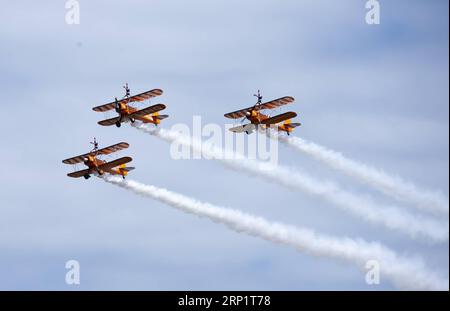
146 111
279 118
110 165
248 128
109 122
78 174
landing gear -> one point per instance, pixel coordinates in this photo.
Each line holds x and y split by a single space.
87 176
118 123
246 132
132 120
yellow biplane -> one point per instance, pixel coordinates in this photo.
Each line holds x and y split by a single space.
100 167
129 113
257 119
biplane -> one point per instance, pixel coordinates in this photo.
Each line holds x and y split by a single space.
260 120
99 167
129 113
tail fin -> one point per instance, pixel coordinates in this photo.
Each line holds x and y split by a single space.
157 118
288 126
124 170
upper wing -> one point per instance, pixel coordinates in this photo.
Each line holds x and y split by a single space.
146 95
105 151
239 113
277 102
279 118
148 110
109 106
78 173
110 165
109 122
269 105
113 148
75 160
135 98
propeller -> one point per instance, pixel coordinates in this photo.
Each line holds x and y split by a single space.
118 110
117 105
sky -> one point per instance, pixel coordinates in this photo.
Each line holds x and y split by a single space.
377 93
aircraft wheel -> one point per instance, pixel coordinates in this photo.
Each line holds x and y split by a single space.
132 120
87 176
118 124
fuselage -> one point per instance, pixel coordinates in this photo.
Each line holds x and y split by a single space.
256 117
93 163
125 110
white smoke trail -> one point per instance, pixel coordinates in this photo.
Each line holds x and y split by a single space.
396 187
405 273
390 217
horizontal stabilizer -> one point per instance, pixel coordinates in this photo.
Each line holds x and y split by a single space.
161 117
292 125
